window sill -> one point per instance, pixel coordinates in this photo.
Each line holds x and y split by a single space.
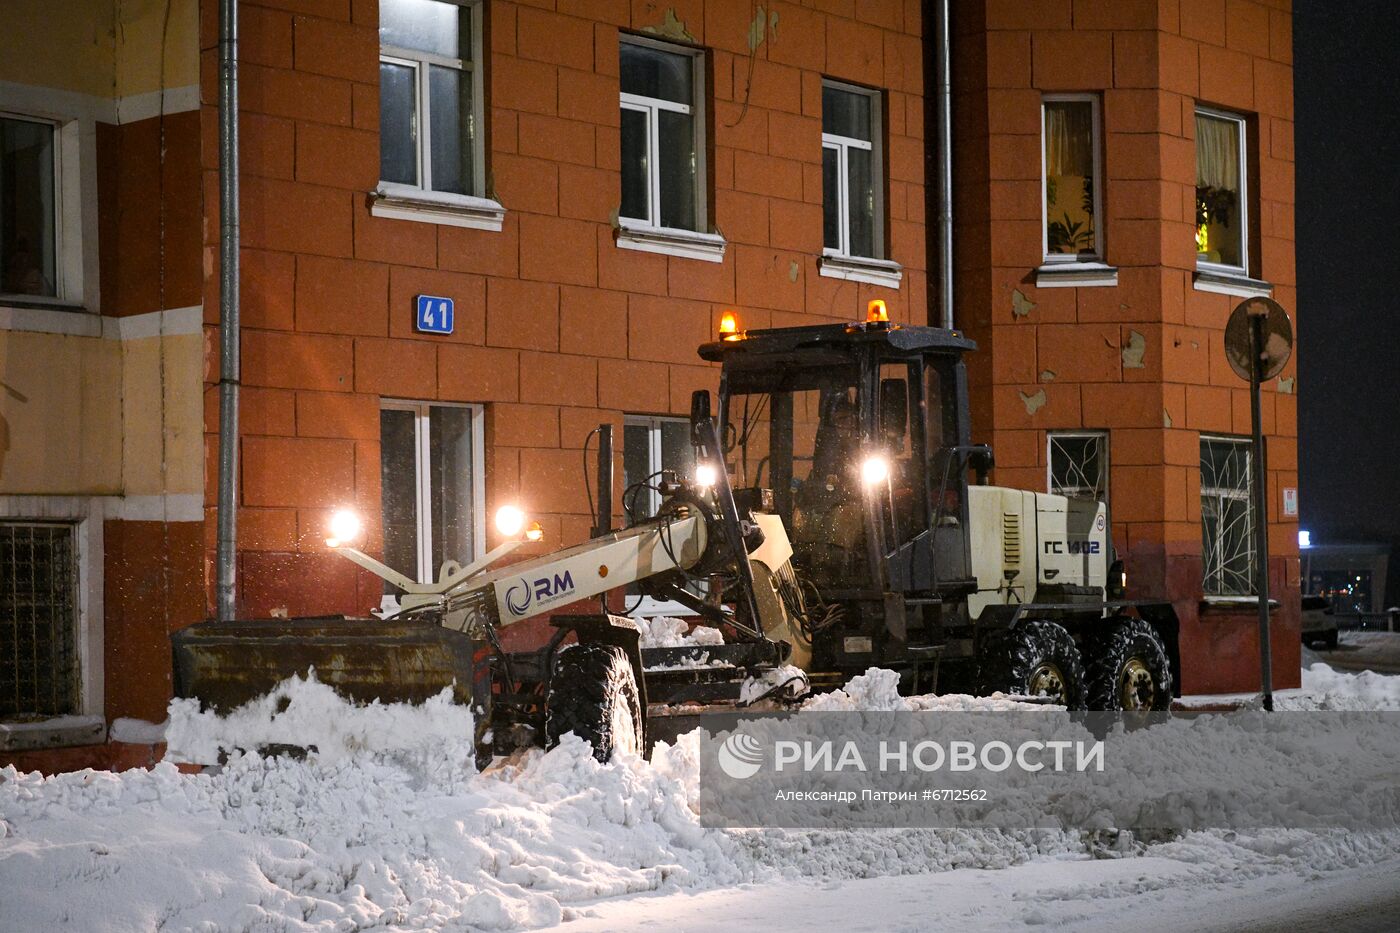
45 318
884 272
1229 603
453 210
58 732
1076 275
669 241
1230 283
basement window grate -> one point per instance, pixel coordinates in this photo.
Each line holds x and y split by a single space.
1227 517
39 674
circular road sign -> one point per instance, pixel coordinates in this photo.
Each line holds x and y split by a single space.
1276 334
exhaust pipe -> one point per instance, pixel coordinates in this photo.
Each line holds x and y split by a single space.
943 38
229 366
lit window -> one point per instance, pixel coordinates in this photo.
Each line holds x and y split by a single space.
1073 230
852 187
430 96
431 470
662 135
650 445
1222 210
28 235
1227 517
40 676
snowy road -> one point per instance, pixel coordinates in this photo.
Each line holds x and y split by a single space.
1143 893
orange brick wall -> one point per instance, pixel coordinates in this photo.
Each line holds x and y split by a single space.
557 329
1152 62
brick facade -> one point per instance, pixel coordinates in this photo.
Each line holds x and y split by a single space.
557 328
1074 350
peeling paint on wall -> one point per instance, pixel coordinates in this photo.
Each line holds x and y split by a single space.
671 27
792 271
1047 376
1035 402
1166 418
1133 352
1285 384
1020 304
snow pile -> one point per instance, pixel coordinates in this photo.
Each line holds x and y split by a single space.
665 632
1328 689
137 731
786 682
304 713
877 690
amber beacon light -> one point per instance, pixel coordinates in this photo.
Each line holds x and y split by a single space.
876 312
729 326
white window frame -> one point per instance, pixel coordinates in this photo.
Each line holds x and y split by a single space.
1246 495
646 233
843 145
70 214
86 515
650 606
420 202
423 453
1223 268
655 454
1057 261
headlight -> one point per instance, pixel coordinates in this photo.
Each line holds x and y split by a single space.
345 527
535 532
705 475
509 520
875 469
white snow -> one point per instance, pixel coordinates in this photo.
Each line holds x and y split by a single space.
666 632
137 731
388 824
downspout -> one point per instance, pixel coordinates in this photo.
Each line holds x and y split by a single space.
225 561
943 38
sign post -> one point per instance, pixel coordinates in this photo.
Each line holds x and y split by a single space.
1258 343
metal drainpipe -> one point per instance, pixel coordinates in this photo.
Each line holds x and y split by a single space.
229 366
943 37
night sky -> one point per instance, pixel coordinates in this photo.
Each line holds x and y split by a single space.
1347 91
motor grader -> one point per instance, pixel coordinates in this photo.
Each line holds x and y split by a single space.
838 518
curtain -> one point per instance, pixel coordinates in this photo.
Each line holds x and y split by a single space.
1069 138
1217 153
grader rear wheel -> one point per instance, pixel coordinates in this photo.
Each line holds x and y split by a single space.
1128 669
1036 658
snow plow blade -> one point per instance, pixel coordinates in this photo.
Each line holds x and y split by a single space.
226 664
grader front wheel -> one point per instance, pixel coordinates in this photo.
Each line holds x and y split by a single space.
594 695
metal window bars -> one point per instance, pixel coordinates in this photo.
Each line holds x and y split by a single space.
1227 517
39 670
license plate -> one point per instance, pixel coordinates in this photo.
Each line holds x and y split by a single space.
858 645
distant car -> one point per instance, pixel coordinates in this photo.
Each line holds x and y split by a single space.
1319 625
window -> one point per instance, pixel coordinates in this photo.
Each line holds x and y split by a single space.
29 247
431 150
40 675
1227 519
650 445
664 193
852 189
1078 464
431 469
1222 209
1073 229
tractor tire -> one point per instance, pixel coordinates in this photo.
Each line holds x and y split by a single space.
1128 669
1034 658
594 695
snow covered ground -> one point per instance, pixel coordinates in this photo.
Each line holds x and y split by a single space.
388 826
